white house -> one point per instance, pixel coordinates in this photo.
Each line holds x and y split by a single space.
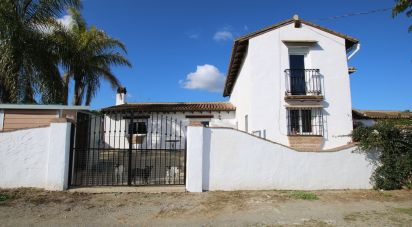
286 125
150 120
288 83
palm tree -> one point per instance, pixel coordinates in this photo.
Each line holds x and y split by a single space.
402 6
88 55
28 59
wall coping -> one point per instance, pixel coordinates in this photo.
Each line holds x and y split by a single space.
335 149
54 121
61 120
20 129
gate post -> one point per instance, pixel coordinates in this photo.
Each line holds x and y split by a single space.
194 157
71 154
58 155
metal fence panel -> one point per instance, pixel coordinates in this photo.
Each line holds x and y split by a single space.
128 148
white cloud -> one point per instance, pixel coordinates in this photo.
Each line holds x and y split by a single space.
194 36
66 20
207 77
223 35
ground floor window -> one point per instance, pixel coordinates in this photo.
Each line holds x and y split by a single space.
138 127
305 121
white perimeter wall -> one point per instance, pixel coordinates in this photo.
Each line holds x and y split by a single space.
36 157
234 160
260 88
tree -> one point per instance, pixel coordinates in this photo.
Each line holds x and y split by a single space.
402 6
394 143
28 59
87 57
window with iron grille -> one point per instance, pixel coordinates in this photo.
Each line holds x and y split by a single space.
138 128
305 121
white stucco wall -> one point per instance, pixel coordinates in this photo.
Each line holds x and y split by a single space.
23 158
260 87
194 159
58 157
36 157
234 160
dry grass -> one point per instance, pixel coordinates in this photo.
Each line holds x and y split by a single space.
407 211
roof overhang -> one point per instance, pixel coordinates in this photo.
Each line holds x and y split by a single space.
173 107
380 114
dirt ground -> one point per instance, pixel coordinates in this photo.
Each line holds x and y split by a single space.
240 208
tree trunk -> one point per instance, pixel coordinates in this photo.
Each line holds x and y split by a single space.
88 97
28 95
77 95
65 93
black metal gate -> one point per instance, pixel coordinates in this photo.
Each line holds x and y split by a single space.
127 148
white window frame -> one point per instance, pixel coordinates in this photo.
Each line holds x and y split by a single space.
305 51
301 50
301 122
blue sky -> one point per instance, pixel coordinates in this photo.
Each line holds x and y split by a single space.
168 40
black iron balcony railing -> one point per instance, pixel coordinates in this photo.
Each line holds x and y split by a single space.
303 82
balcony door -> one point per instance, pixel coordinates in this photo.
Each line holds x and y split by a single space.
297 74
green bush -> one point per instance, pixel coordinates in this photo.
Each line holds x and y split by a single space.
394 144
5 197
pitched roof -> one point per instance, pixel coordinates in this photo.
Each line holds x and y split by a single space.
173 107
380 114
42 107
240 46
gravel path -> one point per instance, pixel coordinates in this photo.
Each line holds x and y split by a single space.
240 208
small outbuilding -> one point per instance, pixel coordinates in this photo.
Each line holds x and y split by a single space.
22 116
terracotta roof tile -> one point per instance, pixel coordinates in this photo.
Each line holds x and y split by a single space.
173 107
380 114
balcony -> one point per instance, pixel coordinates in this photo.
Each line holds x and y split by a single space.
303 84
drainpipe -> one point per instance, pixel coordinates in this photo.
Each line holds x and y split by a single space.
357 48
